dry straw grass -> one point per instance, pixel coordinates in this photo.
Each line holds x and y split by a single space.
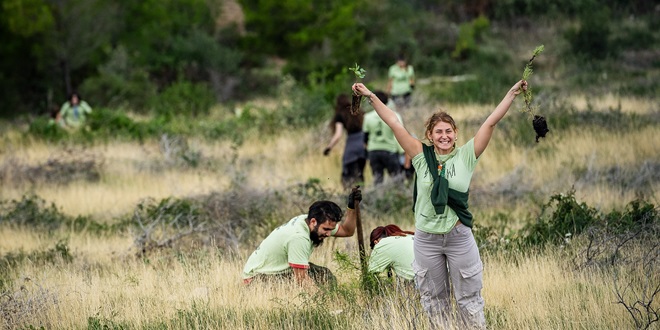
106 282
537 292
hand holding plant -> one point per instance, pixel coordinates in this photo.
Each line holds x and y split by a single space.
539 123
356 100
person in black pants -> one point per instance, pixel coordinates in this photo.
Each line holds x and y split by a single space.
382 147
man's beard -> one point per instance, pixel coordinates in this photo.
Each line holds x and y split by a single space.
314 236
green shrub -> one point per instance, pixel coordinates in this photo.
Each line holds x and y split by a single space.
591 39
184 99
309 106
119 84
568 219
469 34
46 129
105 123
34 212
483 78
101 323
298 107
634 35
638 214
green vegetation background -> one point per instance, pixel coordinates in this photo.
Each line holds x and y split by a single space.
177 58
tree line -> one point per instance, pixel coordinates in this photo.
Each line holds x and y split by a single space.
125 53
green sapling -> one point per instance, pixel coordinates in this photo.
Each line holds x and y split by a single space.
538 122
356 100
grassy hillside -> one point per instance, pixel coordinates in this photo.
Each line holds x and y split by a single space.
85 217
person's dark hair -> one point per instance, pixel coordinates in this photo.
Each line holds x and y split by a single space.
54 111
352 123
324 211
386 231
382 96
76 94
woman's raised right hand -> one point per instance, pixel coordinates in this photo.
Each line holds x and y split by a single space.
361 89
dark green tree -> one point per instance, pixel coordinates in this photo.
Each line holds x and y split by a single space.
61 40
322 36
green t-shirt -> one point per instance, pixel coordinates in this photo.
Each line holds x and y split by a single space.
381 136
400 79
396 252
74 116
288 246
459 167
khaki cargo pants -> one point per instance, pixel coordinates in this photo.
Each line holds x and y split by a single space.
444 261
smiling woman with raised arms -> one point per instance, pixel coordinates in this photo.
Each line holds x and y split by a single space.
444 247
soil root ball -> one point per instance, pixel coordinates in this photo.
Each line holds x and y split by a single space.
540 127
355 104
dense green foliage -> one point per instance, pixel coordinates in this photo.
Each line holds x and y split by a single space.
158 56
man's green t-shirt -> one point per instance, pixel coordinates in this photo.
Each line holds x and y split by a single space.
459 167
396 252
400 79
288 246
381 136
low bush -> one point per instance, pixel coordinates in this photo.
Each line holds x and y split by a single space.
591 39
105 123
184 99
570 218
34 212
46 129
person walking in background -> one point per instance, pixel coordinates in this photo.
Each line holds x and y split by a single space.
392 249
355 153
285 253
382 147
445 250
401 82
74 111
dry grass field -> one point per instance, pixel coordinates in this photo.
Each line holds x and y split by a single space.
105 286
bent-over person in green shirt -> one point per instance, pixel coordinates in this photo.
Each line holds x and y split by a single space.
286 251
392 249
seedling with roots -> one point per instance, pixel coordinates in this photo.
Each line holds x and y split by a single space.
356 100
539 123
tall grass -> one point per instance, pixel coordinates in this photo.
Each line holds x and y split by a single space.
102 283
521 291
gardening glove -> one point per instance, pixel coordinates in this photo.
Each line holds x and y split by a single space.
326 151
354 196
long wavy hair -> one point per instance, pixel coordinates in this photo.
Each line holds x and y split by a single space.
343 109
386 231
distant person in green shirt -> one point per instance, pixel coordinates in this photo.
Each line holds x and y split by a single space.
74 111
285 253
401 82
392 249
382 147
